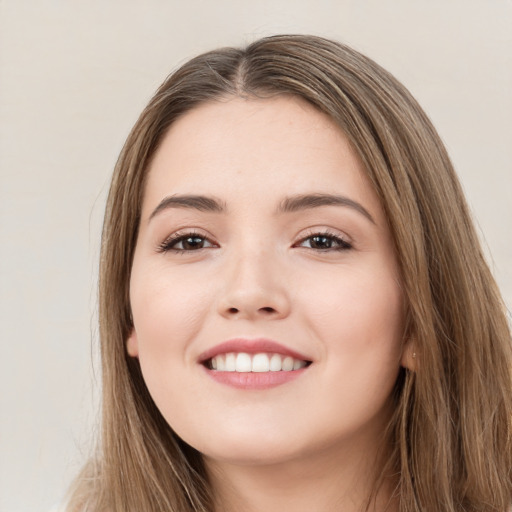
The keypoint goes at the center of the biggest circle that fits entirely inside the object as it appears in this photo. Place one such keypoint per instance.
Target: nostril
(265, 311)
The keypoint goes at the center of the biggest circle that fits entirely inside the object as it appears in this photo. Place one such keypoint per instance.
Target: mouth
(262, 362)
(253, 363)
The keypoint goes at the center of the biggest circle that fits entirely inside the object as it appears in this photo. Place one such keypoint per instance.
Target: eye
(324, 242)
(185, 242)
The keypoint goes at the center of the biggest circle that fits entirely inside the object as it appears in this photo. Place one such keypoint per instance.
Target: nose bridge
(253, 284)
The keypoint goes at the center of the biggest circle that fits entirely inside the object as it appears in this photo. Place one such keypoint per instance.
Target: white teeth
(287, 364)
(220, 363)
(258, 363)
(243, 363)
(275, 363)
(297, 364)
(230, 363)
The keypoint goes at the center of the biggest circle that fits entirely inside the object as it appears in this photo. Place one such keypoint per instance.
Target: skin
(309, 444)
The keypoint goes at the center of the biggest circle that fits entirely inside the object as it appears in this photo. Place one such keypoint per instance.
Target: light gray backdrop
(73, 78)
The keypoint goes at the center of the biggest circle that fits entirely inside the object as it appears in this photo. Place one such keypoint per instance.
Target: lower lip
(254, 380)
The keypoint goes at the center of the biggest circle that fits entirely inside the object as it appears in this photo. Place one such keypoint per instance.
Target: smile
(258, 363)
(253, 364)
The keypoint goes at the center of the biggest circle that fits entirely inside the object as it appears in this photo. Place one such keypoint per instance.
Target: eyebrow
(193, 202)
(307, 201)
(288, 205)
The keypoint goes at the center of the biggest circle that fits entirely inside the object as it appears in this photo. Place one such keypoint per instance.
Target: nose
(254, 287)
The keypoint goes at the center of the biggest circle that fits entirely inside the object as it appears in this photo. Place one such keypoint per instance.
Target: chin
(246, 449)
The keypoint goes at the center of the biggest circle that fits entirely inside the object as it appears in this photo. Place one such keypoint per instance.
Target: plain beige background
(73, 78)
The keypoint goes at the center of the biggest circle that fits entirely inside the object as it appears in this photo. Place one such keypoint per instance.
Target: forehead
(241, 149)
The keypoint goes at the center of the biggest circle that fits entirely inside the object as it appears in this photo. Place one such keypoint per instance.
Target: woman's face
(264, 290)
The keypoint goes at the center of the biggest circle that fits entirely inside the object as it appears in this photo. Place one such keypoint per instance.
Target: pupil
(322, 242)
(193, 242)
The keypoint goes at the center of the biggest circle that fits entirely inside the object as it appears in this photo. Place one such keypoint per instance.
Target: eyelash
(169, 244)
(342, 244)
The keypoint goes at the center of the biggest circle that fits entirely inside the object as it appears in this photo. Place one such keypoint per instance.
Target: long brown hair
(451, 431)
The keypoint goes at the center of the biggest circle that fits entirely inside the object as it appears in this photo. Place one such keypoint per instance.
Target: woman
(294, 306)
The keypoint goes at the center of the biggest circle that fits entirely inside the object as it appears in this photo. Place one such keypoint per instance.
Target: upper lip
(251, 346)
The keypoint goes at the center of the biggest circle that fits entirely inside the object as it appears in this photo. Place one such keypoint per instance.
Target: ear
(132, 344)
(409, 357)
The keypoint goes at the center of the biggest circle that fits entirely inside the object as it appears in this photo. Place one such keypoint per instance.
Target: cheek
(359, 318)
(168, 309)
(360, 326)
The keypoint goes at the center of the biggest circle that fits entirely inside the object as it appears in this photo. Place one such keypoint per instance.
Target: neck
(331, 481)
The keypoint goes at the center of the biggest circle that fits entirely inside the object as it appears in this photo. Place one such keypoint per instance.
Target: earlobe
(409, 358)
(132, 344)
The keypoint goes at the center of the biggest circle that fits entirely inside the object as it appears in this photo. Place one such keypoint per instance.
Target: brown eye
(325, 242)
(190, 243)
(185, 243)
